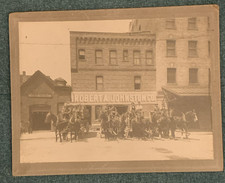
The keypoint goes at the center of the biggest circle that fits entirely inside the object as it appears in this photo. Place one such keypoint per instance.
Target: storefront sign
(113, 97)
(40, 95)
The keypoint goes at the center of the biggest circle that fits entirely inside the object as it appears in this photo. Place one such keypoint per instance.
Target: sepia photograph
(121, 88)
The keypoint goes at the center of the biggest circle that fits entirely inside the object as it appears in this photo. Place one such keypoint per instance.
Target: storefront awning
(184, 91)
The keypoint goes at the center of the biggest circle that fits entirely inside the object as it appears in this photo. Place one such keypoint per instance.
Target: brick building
(113, 68)
(39, 95)
(183, 56)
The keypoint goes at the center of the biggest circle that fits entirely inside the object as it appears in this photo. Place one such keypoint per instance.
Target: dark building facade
(39, 95)
(113, 68)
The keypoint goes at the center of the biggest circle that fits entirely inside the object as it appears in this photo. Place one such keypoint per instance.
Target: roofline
(141, 34)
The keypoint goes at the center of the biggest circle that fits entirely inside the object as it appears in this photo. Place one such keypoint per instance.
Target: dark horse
(182, 120)
(60, 125)
(74, 127)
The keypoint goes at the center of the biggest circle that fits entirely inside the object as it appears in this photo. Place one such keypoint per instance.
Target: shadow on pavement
(174, 157)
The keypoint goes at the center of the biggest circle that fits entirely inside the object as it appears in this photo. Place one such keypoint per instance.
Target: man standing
(172, 123)
(86, 118)
(30, 126)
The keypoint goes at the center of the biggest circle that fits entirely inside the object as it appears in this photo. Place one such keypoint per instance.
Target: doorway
(38, 121)
(38, 115)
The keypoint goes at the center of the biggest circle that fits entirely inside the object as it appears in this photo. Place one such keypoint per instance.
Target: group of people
(161, 122)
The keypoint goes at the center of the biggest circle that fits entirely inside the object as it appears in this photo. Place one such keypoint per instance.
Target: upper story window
(192, 23)
(137, 57)
(139, 28)
(208, 23)
(192, 49)
(170, 24)
(149, 57)
(171, 48)
(137, 82)
(171, 75)
(193, 75)
(99, 82)
(125, 55)
(81, 54)
(112, 57)
(209, 48)
(98, 57)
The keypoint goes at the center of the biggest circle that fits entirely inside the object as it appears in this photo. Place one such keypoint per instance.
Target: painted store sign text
(113, 97)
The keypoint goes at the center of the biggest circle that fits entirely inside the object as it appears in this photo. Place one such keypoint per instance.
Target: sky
(44, 46)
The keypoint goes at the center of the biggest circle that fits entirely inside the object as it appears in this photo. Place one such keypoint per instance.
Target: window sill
(167, 28)
(172, 84)
(194, 84)
(173, 56)
(194, 29)
(193, 56)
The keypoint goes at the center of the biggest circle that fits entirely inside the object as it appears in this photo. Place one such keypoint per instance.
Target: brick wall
(113, 80)
(118, 77)
(181, 34)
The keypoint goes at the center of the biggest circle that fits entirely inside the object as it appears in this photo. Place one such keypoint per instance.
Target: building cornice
(122, 41)
(113, 69)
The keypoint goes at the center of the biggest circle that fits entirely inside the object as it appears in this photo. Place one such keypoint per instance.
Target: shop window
(99, 82)
(112, 57)
(81, 54)
(149, 57)
(192, 49)
(192, 23)
(171, 75)
(193, 75)
(98, 57)
(171, 48)
(137, 58)
(137, 82)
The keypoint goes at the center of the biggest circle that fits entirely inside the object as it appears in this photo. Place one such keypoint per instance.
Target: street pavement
(40, 146)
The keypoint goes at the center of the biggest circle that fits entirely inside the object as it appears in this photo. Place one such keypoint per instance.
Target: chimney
(24, 73)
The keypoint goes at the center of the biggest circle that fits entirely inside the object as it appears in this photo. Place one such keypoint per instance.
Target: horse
(140, 127)
(74, 127)
(155, 125)
(104, 123)
(126, 118)
(113, 125)
(163, 126)
(182, 120)
(122, 126)
(59, 125)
